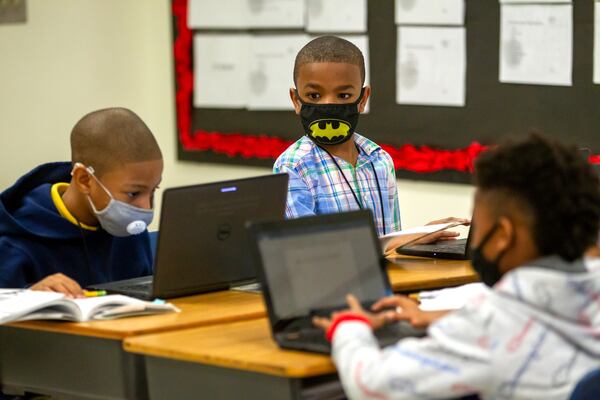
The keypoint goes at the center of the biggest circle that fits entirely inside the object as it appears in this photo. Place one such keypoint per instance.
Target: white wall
(74, 56)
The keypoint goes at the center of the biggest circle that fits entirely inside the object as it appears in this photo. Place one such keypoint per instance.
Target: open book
(396, 240)
(22, 305)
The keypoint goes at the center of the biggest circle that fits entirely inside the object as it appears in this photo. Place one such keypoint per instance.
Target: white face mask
(118, 218)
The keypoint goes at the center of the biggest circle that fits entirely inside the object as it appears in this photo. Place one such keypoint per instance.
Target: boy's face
(131, 183)
(329, 83)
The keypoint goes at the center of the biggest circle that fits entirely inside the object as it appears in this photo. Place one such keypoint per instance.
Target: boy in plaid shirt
(332, 168)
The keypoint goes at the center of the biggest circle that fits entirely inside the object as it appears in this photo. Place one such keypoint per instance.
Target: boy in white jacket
(536, 332)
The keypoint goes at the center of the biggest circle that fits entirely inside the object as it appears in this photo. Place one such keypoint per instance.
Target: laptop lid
(203, 243)
(311, 263)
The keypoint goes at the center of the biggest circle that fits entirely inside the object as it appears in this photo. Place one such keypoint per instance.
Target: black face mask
(330, 123)
(489, 271)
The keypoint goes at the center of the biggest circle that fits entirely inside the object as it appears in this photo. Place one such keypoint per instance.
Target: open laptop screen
(313, 267)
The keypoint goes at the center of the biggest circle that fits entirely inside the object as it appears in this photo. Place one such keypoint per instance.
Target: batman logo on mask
(330, 124)
(329, 131)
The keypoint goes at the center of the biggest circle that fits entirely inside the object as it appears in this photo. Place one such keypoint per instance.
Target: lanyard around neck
(352, 189)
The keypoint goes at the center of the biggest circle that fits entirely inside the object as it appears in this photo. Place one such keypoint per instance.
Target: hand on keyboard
(355, 308)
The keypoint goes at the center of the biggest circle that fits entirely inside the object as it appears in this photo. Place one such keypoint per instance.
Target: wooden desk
(241, 360)
(417, 273)
(86, 360)
(231, 361)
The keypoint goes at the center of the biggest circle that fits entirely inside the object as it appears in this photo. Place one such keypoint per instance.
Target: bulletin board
(426, 142)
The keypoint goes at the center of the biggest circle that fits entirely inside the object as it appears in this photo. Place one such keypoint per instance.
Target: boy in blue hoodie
(67, 225)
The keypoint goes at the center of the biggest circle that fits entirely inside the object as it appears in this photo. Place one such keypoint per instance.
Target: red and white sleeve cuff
(344, 318)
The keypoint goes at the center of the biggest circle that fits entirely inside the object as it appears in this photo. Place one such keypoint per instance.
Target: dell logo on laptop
(223, 232)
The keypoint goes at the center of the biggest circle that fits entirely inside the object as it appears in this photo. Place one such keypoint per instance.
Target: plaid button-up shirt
(316, 186)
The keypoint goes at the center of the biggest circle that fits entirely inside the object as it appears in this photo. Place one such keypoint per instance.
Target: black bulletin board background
(492, 110)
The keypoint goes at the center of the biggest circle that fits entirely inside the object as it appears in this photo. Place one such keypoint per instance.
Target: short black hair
(330, 49)
(107, 138)
(555, 183)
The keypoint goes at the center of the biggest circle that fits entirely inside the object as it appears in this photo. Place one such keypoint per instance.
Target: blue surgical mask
(119, 218)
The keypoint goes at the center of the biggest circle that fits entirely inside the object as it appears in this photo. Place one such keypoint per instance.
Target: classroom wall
(74, 56)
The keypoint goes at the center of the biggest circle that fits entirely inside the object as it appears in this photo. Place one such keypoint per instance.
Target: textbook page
(23, 305)
(536, 44)
(118, 306)
(431, 65)
(430, 12)
(15, 303)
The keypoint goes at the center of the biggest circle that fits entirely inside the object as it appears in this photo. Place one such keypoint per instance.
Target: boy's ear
(295, 100)
(81, 180)
(505, 235)
(365, 98)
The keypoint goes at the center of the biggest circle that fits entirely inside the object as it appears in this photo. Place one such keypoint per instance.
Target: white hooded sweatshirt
(534, 336)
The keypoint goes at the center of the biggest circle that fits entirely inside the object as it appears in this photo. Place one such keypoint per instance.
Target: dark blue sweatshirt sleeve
(14, 264)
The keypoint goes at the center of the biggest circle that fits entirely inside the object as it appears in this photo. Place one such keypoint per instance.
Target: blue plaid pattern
(316, 186)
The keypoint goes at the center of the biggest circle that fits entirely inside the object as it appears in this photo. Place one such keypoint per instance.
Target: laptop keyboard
(313, 339)
(138, 287)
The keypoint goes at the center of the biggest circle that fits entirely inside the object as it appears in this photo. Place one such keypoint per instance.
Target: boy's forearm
(404, 370)
(354, 351)
(429, 317)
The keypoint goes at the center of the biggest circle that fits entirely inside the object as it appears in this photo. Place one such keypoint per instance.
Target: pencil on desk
(94, 293)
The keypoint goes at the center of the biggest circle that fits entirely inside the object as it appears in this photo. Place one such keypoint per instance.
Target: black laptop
(308, 265)
(447, 249)
(202, 242)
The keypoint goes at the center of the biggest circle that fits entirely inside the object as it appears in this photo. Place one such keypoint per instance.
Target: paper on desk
(536, 44)
(270, 63)
(430, 12)
(336, 16)
(431, 66)
(236, 14)
(392, 241)
(451, 298)
(220, 70)
(597, 44)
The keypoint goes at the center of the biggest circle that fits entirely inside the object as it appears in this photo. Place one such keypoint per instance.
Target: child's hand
(376, 320)
(443, 235)
(407, 309)
(59, 283)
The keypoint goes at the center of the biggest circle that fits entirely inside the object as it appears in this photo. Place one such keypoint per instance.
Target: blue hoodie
(36, 241)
